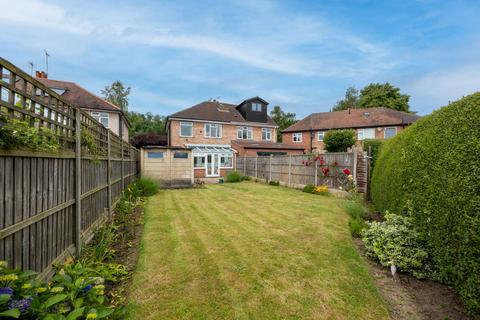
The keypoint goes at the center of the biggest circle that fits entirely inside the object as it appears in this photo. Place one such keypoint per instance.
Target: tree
(146, 123)
(339, 140)
(282, 119)
(350, 100)
(383, 95)
(117, 94)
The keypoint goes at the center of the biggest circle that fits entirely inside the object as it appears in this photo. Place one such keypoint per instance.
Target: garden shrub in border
(233, 176)
(339, 140)
(433, 168)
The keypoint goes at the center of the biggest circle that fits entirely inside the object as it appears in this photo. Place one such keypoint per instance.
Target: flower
(321, 189)
(350, 177)
(3, 264)
(26, 286)
(22, 305)
(92, 315)
(325, 171)
(56, 289)
(346, 171)
(97, 280)
(340, 188)
(8, 277)
(87, 288)
(61, 272)
(41, 289)
(6, 290)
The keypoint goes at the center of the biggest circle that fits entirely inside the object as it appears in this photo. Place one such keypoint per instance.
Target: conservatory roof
(210, 149)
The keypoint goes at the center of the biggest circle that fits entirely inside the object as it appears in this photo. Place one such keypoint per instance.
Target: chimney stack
(41, 75)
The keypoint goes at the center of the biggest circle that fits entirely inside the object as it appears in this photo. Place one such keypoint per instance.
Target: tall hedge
(339, 140)
(433, 168)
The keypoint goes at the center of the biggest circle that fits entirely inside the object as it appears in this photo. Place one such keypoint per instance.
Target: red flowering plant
(325, 171)
(346, 171)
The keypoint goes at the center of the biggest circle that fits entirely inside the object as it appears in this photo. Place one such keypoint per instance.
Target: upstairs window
(256, 106)
(297, 137)
(320, 135)
(213, 130)
(244, 133)
(101, 117)
(390, 132)
(366, 133)
(266, 134)
(186, 129)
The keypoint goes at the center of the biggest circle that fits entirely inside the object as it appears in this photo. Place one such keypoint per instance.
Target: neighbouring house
(368, 123)
(108, 114)
(218, 131)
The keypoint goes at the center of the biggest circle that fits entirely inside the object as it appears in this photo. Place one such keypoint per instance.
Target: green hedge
(433, 169)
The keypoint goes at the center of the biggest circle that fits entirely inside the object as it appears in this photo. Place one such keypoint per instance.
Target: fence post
(122, 171)
(109, 174)
(78, 183)
(289, 169)
(244, 166)
(316, 173)
(256, 166)
(355, 164)
(270, 173)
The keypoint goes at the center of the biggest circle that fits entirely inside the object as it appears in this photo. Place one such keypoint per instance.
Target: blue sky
(301, 55)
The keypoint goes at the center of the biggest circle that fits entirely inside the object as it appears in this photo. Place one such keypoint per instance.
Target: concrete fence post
(316, 173)
(244, 166)
(355, 164)
(78, 183)
(289, 169)
(256, 167)
(270, 171)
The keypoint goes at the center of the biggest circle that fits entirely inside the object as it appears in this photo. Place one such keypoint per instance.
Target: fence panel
(38, 197)
(299, 170)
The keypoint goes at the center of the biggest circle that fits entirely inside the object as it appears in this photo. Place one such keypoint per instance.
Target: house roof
(78, 95)
(353, 118)
(266, 145)
(214, 111)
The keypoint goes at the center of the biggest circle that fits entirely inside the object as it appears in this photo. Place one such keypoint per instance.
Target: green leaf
(75, 314)
(103, 313)
(12, 313)
(4, 298)
(54, 300)
(78, 303)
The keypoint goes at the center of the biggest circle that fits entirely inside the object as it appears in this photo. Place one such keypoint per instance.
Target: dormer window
(256, 106)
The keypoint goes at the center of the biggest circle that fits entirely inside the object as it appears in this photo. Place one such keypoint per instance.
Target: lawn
(250, 251)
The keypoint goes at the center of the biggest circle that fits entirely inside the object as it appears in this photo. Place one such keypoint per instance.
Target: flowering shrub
(325, 171)
(395, 241)
(347, 171)
(322, 189)
(71, 294)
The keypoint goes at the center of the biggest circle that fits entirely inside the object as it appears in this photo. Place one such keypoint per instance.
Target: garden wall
(51, 202)
(300, 170)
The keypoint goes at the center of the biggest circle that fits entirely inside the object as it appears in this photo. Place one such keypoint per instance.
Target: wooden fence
(50, 203)
(300, 170)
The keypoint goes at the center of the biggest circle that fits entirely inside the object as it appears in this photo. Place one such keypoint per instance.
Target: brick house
(212, 128)
(103, 111)
(368, 123)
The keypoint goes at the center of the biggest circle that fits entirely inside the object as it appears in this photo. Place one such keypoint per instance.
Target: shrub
(234, 176)
(356, 211)
(246, 178)
(274, 183)
(149, 139)
(374, 145)
(433, 167)
(146, 187)
(308, 188)
(18, 134)
(395, 241)
(339, 140)
(322, 189)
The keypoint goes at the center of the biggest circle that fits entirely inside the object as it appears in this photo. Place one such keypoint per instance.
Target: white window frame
(186, 123)
(204, 161)
(101, 115)
(297, 137)
(361, 133)
(385, 132)
(267, 134)
(256, 106)
(226, 156)
(208, 132)
(240, 131)
(322, 134)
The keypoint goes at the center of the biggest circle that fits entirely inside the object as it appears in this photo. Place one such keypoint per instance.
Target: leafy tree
(383, 95)
(282, 119)
(146, 123)
(117, 94)
(339, 140)
(350, 100)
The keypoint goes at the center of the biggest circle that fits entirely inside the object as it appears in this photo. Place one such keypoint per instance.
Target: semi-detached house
(216, 132)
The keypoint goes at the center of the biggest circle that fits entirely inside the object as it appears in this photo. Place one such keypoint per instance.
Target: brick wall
(229, 133)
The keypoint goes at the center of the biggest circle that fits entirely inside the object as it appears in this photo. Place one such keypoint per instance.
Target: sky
(301, 55)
